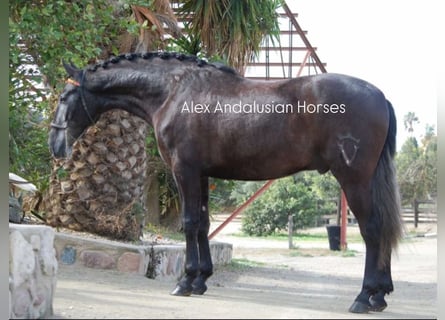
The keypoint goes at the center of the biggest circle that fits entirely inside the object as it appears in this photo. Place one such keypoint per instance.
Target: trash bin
(334, 237)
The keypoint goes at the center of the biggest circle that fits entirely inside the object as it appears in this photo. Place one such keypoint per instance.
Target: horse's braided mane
(166, 55)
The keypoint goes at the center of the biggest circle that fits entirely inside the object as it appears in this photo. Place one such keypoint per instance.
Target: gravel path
(311, 282)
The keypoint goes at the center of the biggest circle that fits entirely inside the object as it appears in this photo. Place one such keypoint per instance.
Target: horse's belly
(249, 175)
(262, 169)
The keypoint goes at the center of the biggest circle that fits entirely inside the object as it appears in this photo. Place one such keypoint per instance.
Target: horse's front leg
(205, 258)
(190, 192)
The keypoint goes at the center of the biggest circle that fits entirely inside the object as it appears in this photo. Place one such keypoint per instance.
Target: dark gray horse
(211, 122)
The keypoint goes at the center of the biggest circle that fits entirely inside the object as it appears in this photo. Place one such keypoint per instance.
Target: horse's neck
(136, 91)
(143, 88)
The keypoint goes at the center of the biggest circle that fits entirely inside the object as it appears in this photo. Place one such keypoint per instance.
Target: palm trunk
(103, 188)
(100, 189)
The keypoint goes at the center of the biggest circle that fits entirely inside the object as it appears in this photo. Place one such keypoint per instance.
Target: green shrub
(293, 196)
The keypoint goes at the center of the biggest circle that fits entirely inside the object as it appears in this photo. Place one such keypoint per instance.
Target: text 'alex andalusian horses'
(211, 122)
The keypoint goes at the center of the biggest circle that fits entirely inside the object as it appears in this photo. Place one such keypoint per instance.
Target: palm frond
(232, 29)
(159, 19)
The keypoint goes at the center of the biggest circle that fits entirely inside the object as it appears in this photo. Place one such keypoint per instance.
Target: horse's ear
(72, 70)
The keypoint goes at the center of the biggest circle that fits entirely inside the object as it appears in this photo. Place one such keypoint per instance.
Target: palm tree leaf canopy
(231, 29)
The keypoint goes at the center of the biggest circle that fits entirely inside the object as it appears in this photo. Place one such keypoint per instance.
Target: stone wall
(155, 261)
(35, 252)
(32, 271)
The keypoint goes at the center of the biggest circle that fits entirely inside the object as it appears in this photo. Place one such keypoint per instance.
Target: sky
(388, 43)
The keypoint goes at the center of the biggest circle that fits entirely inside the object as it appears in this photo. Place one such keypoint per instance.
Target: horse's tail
(386, 219)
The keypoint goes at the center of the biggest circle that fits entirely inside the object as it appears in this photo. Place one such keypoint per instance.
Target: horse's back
(252, 144)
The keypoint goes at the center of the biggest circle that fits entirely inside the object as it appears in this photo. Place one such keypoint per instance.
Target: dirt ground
(268, 281)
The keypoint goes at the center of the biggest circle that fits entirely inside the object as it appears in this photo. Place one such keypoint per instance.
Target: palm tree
(231, 29)
(102, 188)
(409, 120)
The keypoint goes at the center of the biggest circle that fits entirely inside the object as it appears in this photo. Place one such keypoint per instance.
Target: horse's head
(73, 115)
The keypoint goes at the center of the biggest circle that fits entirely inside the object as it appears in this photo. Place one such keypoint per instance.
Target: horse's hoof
(360, 307)
(199, 289)
(181, 291)
(377, 304)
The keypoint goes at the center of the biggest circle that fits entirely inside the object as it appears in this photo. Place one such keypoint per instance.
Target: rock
(22, 261)
(35, 242)
(22, 302)
(129, 262)
(97, 259)
(68, 255)
(15, 210)
(32, 272)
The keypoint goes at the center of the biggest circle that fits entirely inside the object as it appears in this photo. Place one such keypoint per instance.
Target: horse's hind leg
(189, 186)
(376, 284)
(205, 258)
(377, 280)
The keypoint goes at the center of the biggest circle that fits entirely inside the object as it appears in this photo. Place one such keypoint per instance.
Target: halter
(82, 98)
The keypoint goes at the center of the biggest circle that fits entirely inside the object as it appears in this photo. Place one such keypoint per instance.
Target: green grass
(309, 237)
(279, 236)
(348, 253)
(243, 264)
(165, 232)
(320, 252)
(284, 236)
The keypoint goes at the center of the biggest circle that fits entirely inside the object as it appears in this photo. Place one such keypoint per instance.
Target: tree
(162, 196)
(417, 167)
(232, 30)
(43, 35)
(297, 196)
(429, 143)
(409, 120)
(81, 196)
